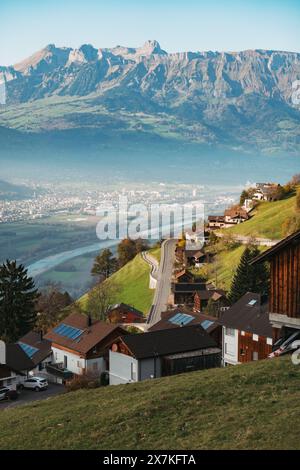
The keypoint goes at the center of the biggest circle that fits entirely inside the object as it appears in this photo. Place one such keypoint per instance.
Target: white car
(35, 383)
(3, 392)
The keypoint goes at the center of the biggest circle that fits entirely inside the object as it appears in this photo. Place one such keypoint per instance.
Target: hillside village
(193, 323)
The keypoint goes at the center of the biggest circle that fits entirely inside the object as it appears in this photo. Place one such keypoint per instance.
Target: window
(95, 366)
(65, 362)
(229, 349)
(255, 337)
(242, 352)
(229, 331)
(78, 364)
(255, 356)
(242, 333)
(269, 341)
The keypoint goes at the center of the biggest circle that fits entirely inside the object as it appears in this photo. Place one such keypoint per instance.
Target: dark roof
(291, 239)
(189, 286)
(43, 346)
(197, 319)
(251, 318)
(171, 341)
(216, 218)
(207, 294)
(17, 359)
(125, 308)
(91, 335)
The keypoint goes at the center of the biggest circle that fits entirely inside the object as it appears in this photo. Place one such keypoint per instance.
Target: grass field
(267, 220)
(221, 271)
(133, 285)
(251, 406)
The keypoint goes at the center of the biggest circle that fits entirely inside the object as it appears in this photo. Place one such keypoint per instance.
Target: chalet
(182, 316)
(202, 297)
(216, 222)
(265, 191)
(195, 257)
(183, 292)
(80, 345)
(123, 313)
(284, 296)
(14, 365)
(247, 331)
(235, 215)
(183, 276)
(38, 349)
(160, 353)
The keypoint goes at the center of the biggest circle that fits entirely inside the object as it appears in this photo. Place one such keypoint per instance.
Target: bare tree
(100, 298)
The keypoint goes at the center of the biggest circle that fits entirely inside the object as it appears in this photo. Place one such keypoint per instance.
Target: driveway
(28, 396)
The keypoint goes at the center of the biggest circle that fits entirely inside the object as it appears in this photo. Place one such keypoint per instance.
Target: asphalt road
(28, 396)
(164, 275)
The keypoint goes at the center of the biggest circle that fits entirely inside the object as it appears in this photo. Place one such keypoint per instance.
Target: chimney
(89, 320)
(2, 352)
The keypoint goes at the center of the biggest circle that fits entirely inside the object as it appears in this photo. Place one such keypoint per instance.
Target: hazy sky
(29, 25)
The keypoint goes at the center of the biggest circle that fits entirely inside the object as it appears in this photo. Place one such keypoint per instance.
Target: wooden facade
(285, 281)
(249, 350)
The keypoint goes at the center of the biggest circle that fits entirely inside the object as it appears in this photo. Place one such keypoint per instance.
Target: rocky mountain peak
(150, 47)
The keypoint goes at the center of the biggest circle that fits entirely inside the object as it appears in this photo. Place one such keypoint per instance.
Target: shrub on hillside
(87, 380)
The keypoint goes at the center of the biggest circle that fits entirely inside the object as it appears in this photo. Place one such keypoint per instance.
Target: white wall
(75, 363)
(122, 368)
(230, 347)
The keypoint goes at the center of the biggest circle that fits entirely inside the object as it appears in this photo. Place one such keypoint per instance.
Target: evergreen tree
(17, 301)
(104, 264)
(249, 278)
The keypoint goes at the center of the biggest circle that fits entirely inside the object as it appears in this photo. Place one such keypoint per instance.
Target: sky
(178, 25)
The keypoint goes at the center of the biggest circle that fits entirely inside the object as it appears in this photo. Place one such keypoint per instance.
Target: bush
(87, 380)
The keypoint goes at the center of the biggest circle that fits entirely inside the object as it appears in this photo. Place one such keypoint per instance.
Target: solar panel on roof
(68, 331)
(252, 302)
(206, 324)
(29, 350)
(181, 319)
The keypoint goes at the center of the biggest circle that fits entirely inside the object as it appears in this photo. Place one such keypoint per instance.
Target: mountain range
(233, 100)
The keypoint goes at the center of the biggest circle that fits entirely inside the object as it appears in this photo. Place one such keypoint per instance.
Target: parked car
(35, 383)
(4, 393)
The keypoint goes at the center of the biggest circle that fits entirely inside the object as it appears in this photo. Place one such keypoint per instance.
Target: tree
(126, 251)
(249, 278)
(18, 297)
(49, 306)
(298, 200)
(105, 264)
(100, 298)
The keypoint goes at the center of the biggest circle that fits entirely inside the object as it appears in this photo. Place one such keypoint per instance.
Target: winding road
(163, 287)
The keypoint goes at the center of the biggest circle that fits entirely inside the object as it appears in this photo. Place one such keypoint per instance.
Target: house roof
(236, 212)
(88, 336)
(126, 308)
(167, 320)
(266, 255)
(216, 218)
(207, 294)
(189, 287)
(168, 341)
(182, 273)
(248, 314)
(17, 359)
(42, 345)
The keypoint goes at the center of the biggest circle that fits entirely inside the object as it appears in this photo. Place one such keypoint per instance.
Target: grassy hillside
(221, 271)
(252, 406)
(267, 220)
(133, 285)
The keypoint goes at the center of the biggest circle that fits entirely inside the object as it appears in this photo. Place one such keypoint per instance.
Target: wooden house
(247, 331)
(123, 313)
(284, 296)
